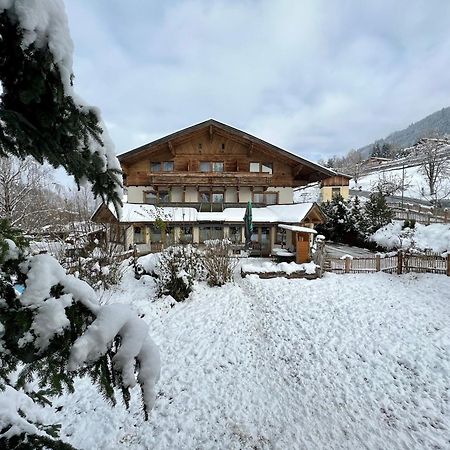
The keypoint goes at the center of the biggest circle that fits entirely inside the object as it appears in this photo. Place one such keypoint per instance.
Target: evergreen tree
(337, 225)
(56, 329)
(378, 212)
(39, 118)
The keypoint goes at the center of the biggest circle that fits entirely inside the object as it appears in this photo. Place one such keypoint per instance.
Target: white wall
(285, 194)
(136, 193)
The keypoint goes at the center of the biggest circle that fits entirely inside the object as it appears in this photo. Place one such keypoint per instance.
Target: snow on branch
(45, 24)
(136, 353)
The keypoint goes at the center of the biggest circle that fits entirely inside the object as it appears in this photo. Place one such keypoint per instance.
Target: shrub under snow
(435, 237)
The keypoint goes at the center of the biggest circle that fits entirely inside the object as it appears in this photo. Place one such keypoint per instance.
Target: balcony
(208, 206)
(199, 179)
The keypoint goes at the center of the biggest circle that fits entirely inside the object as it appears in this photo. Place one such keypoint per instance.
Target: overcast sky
(314, 77)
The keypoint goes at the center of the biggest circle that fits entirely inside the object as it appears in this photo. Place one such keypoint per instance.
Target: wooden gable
(212, 141)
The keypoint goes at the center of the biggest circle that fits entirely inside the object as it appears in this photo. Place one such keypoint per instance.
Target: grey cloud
(316, 77)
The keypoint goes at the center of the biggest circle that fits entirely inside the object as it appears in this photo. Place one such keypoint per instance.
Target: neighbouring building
(334, 186)
(194, 185)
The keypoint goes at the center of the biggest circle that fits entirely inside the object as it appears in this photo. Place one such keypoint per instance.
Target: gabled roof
(228, 129)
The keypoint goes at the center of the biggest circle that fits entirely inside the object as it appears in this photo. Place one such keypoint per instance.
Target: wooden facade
(231, 154)
(212, 168)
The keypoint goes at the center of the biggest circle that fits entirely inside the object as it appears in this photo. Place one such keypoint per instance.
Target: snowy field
(343, 362)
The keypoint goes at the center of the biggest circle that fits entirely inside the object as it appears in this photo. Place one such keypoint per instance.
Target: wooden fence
(399, 262)
(419, 213)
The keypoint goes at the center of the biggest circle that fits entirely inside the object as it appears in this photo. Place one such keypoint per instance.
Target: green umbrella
(248, 225)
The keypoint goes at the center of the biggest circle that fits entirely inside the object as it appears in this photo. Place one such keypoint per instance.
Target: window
(156, 197)
(139, 237)
(267, 198)
(155, 167)
(208, 232)
(335, 192)
(165, 166)
(265, 167)
(258, 198)
(168, 166)
(280, 237)
(223, 146)
(151, 197)
(155, 234)
(164, 196)
(211, 166)
(186, 234)
(271, 198)
(205, 197)
(217, 197)
(235, 234)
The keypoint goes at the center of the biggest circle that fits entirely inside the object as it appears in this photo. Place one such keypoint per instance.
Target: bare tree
(352, 164)
(389, 184)
(435, 167)
(25, 194)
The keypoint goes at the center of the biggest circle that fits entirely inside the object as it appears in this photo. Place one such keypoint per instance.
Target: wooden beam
(297, 169)
(171, 148)
(250, 149)
(211, 135)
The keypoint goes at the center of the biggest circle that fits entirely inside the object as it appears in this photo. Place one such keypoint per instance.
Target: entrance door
(302, 247)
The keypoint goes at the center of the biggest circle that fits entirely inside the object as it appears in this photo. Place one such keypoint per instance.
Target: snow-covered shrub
(179, 266)
(434, 237)
(218, 262)
(147, 265)
(101, 267)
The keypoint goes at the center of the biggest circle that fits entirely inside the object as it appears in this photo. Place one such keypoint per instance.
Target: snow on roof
(297, 228)
(292, 213)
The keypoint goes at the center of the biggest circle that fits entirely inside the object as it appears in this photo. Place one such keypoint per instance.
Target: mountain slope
(437, 123)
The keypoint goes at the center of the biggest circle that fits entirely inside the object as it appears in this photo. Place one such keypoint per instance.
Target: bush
(179, 266)
(101, 267)
(219, 265)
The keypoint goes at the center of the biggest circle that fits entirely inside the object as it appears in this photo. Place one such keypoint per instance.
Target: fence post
(348, 264)
(399, 262)
(377, 263)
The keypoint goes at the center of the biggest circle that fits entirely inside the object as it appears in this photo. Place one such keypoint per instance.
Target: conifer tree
(56, 329)
(38, 117)
(378, 212)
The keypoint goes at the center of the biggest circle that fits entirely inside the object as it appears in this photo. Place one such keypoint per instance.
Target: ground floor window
(186, 236)
(139, 235)
(280, 237)
(155, 234)
(208, 232)
(235, 234)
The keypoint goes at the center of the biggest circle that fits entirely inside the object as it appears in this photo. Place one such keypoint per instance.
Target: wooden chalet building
(197, 182)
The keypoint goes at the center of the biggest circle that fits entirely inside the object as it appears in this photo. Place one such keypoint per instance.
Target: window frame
(261, 164)
(211, 166)
(162, 167)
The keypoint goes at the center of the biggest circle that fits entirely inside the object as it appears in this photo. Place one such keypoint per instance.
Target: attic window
(155, 167)
(223, 146)
(165, 166)
(265, 167)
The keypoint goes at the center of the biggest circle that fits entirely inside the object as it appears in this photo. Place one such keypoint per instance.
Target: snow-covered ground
(414, 181)
(347, 361)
